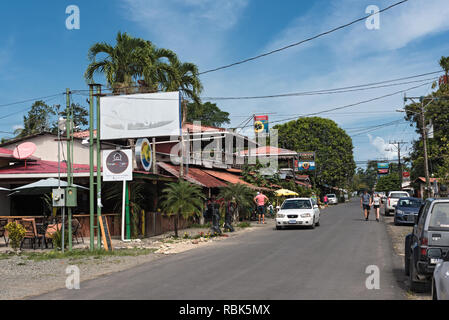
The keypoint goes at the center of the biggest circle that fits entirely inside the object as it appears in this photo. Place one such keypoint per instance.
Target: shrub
(56, 238)
(16, 234)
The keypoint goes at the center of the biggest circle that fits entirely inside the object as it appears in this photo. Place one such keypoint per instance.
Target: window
(331, 196)
(410, 203)
(440, 216)
(398, 195)
(296, 204)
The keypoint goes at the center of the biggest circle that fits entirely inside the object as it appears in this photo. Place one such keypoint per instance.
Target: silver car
(440, 281)
(332, 198)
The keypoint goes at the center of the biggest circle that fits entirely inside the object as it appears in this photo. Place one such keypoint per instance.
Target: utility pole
(91, 165)
(98, 168)
(397, 145)
(69, 131)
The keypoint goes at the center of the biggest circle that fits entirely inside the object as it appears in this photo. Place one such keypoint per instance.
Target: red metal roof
(84, 134)
(42, 166)
(432, 180)
(189, 127)
(195, 175)
(232, 178)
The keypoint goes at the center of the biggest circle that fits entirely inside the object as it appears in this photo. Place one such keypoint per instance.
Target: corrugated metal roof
(195, 175)
(42, 166)
(232, 178)
(267, 151)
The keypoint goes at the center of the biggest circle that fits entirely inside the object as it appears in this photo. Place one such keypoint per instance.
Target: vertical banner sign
(261, 124)
(306, 161)
(117, 165)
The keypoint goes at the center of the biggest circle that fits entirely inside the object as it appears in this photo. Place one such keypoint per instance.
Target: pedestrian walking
(376, 205)
(325, 200)
(260, 202)
(365, 203)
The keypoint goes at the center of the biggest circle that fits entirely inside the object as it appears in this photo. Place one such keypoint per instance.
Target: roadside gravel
(23, 277)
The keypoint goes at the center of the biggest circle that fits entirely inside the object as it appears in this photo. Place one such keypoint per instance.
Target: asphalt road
(326, 263)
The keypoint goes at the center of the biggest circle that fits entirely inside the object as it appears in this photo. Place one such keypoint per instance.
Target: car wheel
(415, 286)
(313, 224)
(318, 223)
(407, 263)
(434, 291)
(396, 223)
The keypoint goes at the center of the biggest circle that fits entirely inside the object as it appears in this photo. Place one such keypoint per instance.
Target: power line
(320, 92)
(302, 41)
(348, 105)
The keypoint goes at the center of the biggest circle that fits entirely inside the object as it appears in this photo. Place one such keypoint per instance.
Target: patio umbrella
(285, 192)
(41, 187)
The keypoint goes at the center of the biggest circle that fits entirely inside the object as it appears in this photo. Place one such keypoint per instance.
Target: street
(326, 263)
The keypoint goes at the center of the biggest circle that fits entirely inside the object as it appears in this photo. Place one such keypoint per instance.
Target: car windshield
(440, 216)
(331, 195)
(410, 203)
(296, 204)
(398, 195)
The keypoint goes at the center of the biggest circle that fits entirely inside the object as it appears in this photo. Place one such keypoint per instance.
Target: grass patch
(244, 225)
(79, 254)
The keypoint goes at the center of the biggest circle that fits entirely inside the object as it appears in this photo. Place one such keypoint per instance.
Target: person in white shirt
(376, 205)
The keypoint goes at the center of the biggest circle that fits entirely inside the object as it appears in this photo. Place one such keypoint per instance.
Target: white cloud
(384, 149)
(195, 29)
(17, 126)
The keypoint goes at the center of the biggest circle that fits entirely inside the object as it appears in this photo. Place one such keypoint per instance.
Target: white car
(298, 212)
(392, 200)
(440, 280)
(332, 198)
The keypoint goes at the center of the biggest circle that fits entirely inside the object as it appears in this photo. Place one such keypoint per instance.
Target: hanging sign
(144, 157)
(261, 124)
(117, 165)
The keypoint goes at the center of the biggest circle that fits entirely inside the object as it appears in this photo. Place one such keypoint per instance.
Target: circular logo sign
(117, 162)
(306, 165)
(258, 126)
(143, 154)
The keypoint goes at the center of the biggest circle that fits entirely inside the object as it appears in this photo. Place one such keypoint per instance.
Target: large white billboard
(140, 115)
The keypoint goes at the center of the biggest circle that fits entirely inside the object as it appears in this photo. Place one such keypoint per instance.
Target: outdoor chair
(3, 223)
(76, 230)
(31, 232)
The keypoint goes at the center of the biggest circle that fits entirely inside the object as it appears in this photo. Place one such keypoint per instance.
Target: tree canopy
(334, 149)
(208, 113)
(388, 183)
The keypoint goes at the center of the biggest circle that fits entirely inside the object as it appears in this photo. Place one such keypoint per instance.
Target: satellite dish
(24, 150)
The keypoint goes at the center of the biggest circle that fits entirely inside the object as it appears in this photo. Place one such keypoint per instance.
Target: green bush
(16, 233)
(56, 238)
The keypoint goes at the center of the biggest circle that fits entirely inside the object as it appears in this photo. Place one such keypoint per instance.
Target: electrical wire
(302, 41)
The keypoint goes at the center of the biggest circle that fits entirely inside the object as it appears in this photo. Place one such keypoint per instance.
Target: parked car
(298, 212)
(406, 210)
(392, 200)
(332, 198)
(430, 231)
(440, 281)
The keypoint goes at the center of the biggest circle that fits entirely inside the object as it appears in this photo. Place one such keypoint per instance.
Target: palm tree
(130, 60)
(182, 198)
(444, 63)
(241, 195)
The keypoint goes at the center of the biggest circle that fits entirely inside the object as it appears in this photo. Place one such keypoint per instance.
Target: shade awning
(285, 192)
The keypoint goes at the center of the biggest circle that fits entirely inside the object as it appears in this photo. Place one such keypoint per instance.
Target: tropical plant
(56, 239)
(182, 199)
(241, 195)
(134, 61)
(444, 64)
(16, 233)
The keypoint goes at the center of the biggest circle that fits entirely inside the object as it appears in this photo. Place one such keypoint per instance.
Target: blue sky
(40, 57)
